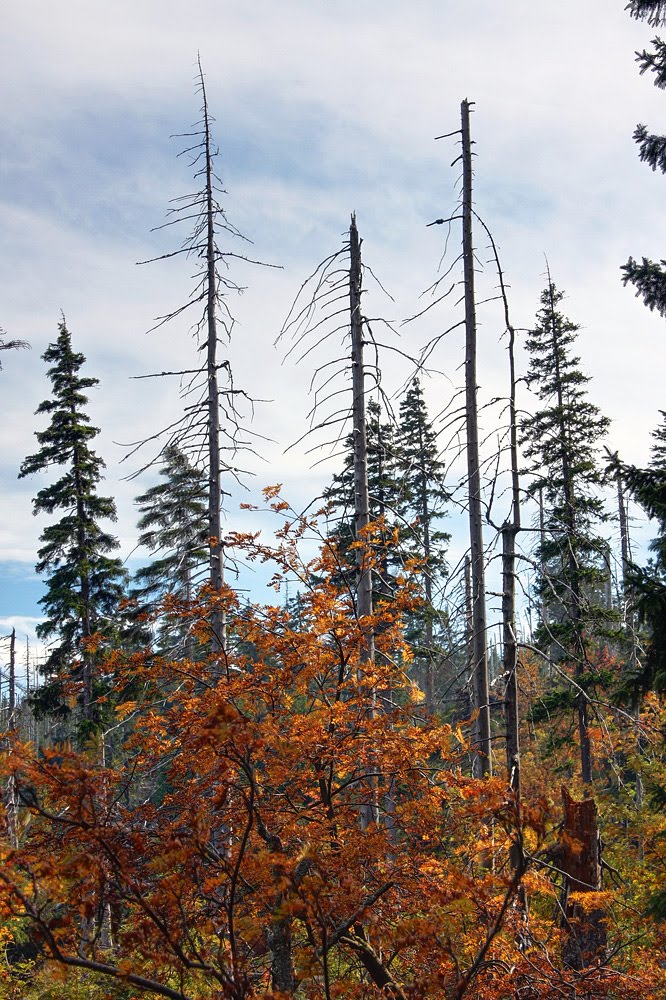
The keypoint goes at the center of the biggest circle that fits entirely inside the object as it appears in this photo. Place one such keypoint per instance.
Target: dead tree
(329, 303)
(361, 497)
(11, 345)
(200, 433)
(479, 640)
(584, 924)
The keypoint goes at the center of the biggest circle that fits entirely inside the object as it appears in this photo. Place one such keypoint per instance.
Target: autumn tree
(250, 874)
(84, 580)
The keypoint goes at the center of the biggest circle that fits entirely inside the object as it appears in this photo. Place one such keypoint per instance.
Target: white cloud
(321, 109)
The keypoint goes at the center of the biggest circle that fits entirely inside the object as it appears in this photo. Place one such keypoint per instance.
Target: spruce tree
(647, 587)
(383, 493)
(649, 277)
(174, 528)
(84, 582)
(561, 441)
(648, 584)
(421, 503)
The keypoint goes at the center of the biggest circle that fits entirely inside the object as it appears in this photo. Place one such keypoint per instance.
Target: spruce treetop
(84, 581)
(562, 438)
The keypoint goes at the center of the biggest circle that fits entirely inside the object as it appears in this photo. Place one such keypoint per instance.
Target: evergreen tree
(420, 503)
(648, 584)
(652, 11)
(562, 440)
(174, 528)
(383, 492)
(648, 277)
(84, 582)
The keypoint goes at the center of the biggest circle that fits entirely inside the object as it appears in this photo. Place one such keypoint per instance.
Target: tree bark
(370, 813)
(218, 617)
(481, 734)
(361, 496)
(584, 925)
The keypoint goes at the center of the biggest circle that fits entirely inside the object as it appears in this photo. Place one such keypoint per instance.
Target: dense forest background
(345, 677)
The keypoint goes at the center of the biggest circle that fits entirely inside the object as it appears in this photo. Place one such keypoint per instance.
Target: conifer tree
(420, 503)
(84, 581)
(173, 527)
(648, 584)
(649, 277)
(383, 490)
(561, 441)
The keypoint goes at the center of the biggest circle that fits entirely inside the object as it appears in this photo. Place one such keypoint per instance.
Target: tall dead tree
(629, 613)
(509, 531)
(200, 432)
(218, 622)
(361, 494)
(479, 641)
(328, 303)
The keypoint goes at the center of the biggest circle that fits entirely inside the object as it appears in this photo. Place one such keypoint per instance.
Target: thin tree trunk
(218, 618)
(510, 530)
(361, 496)
(469, 632)
(11, 798)
(12, 678)
(630, 619)
(481, 706)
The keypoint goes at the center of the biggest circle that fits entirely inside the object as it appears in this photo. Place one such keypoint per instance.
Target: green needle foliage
(648, 584)
(421, 504)
(383, 493)
(561, 441)
(84, 582)
(174, 528)
(647, 276)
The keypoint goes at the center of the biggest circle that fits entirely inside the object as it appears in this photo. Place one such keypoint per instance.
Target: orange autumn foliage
(221, 851)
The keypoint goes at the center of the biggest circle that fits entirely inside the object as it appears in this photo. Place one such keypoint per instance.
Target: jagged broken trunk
(583, 919)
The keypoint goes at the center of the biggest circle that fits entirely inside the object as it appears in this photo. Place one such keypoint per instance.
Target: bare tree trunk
(630, 619)
(510, 530)
(483, 765)
(469, 632)
(218, 618)
(361, 496)
(12, 678)
(11, 798)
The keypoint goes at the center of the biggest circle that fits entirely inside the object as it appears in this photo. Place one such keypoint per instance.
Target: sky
(321, 109)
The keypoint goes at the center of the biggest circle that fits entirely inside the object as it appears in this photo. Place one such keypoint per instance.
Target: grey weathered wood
(481, 734)
(361, 496)
(218, 618)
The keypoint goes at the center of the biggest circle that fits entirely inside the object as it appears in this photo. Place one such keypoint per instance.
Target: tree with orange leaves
(224, 855)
